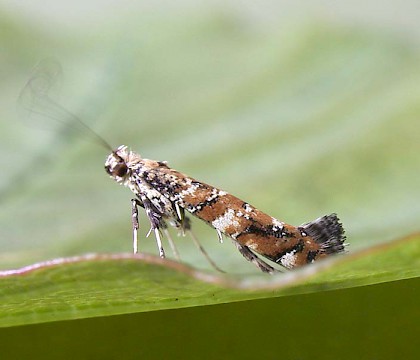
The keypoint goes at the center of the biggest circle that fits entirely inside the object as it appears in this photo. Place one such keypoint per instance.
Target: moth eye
(120, 170)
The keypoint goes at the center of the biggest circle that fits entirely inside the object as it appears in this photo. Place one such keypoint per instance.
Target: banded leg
(155, 218)
(250, 256)
(135, 222)
(180, 212)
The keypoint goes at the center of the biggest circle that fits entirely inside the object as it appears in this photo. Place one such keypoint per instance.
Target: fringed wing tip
(328, 232)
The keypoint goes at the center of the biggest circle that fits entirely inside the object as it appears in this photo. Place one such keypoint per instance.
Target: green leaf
(302, 123)
(102, 284)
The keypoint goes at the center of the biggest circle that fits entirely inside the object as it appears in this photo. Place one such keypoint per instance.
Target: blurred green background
(300, 109)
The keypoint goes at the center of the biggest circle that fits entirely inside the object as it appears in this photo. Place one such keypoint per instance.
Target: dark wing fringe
(328, 232)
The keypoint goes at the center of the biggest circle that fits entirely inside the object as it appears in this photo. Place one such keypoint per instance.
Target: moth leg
(203, 251)
(186, 225)
(250, 256)
(171, 242)
(159, 243)
(182, 223)
(155, 218)
(135, 221)
(220, 236)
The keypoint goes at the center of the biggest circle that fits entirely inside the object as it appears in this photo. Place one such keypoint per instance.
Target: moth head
(117, 164)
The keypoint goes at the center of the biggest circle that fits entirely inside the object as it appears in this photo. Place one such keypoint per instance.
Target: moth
(166, 194)
(169, 196)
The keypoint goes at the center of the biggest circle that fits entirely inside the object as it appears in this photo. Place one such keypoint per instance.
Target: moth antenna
(35, 99)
